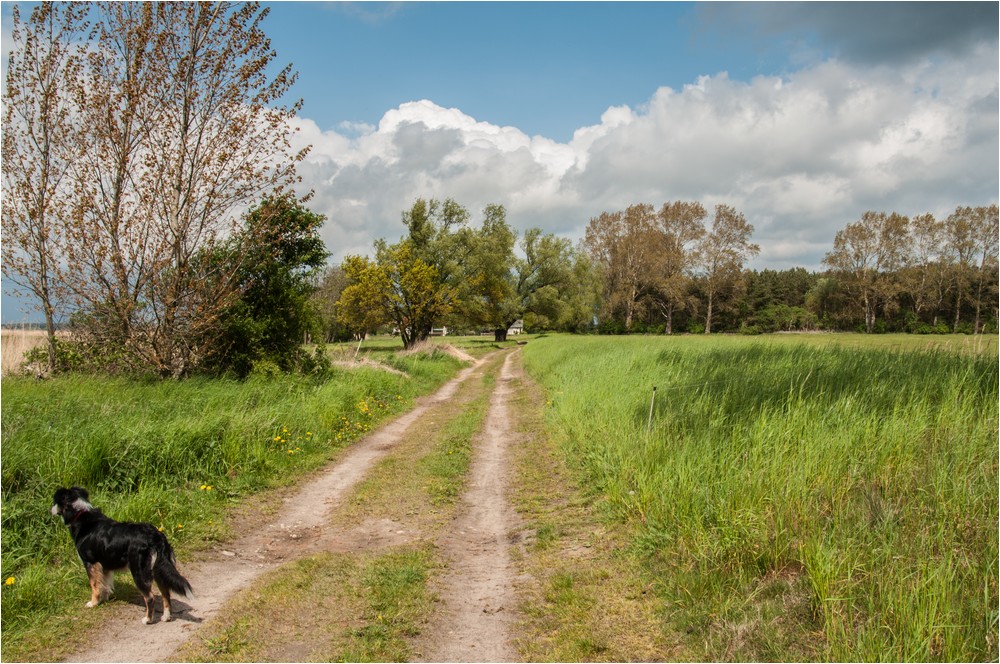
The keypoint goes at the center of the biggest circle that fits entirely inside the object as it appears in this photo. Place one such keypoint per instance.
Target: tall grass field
(795, 498)
(14, 343)
(178, 454)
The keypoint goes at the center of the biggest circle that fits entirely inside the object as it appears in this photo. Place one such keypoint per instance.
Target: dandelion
(206, 487)
(180, 526)
(10, 581)
(160, 528)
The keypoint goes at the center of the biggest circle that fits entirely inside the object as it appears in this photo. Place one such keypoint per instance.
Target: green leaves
(399, 288)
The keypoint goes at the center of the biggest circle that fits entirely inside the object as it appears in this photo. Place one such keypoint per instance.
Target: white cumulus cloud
(800, 155)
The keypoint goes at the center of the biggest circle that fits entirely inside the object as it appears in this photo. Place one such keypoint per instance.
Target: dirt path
(473, 623)
(296, 531)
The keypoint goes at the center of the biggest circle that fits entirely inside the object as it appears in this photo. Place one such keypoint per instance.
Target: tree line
(671, 269)
(664, 270)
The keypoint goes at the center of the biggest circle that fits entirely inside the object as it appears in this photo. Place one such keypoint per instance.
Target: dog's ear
(82, 493)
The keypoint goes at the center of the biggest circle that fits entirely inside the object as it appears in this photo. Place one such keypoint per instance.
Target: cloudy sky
(801, 115)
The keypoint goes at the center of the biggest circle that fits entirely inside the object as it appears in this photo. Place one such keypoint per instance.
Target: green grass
(325, 608)
(179, 454)
(796, 497)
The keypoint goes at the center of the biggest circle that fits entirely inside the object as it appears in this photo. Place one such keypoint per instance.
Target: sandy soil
(476, 594)
(296, 531)
(473, 622)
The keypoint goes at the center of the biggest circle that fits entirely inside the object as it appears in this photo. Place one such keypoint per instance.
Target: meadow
(180, 454)
(795, 497)
(14, 343)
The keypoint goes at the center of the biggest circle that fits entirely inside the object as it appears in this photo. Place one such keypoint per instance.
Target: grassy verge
(365, 605)
(794, 497)
(179, 454)
(588, 599)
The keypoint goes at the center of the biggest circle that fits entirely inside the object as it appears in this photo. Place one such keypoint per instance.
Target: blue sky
(551, 67)
(801, 115)
(546, 68)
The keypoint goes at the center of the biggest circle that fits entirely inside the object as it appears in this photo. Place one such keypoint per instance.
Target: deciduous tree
(279, 252)
(487, 289)
(972, 250)
(112, 252)
(722, 254)
(925, 279)
(187, 128)
(679, 226)
(397, 287)
(330, 283)
(867, 253)
(39, 147)
(622, 244)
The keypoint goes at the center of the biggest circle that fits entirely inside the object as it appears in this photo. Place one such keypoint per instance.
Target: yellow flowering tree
(396, 288)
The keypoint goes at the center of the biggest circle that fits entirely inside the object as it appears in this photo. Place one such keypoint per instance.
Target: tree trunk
(50, 327)
(869, 314)
(958, 310)
(407, 337)
(708, 315)
(670, 319)
(977, 326)
(50, 330)
(500, 334)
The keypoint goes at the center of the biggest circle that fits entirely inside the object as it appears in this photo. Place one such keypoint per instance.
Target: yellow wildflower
(10, 581)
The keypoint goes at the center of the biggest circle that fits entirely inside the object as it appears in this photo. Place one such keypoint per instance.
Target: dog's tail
(165, 572)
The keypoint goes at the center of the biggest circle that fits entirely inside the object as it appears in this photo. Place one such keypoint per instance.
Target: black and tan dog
(106, 546)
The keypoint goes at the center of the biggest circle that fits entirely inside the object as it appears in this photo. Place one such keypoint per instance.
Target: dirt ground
(476, 606)
(477, 594)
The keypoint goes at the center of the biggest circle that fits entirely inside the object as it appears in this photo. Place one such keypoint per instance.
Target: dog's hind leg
(142, 572)
(165, 595)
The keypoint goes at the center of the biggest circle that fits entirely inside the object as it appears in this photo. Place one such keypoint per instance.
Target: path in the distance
(296, 531)
(473, 622)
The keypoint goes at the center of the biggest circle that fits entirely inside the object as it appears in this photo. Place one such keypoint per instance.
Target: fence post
(649, 422)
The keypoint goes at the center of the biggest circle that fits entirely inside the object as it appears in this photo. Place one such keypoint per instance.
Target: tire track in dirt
(295, 532)
(476, 614)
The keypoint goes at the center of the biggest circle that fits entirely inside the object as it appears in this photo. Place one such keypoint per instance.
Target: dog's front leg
(95, 573)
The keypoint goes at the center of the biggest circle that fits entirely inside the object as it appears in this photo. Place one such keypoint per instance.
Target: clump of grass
(179, 454)
(864, 479)
(325, 608)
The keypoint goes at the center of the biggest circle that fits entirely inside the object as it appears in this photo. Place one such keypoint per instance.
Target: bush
(69, 356)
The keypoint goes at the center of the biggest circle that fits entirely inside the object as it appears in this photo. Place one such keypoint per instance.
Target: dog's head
(70, 503)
